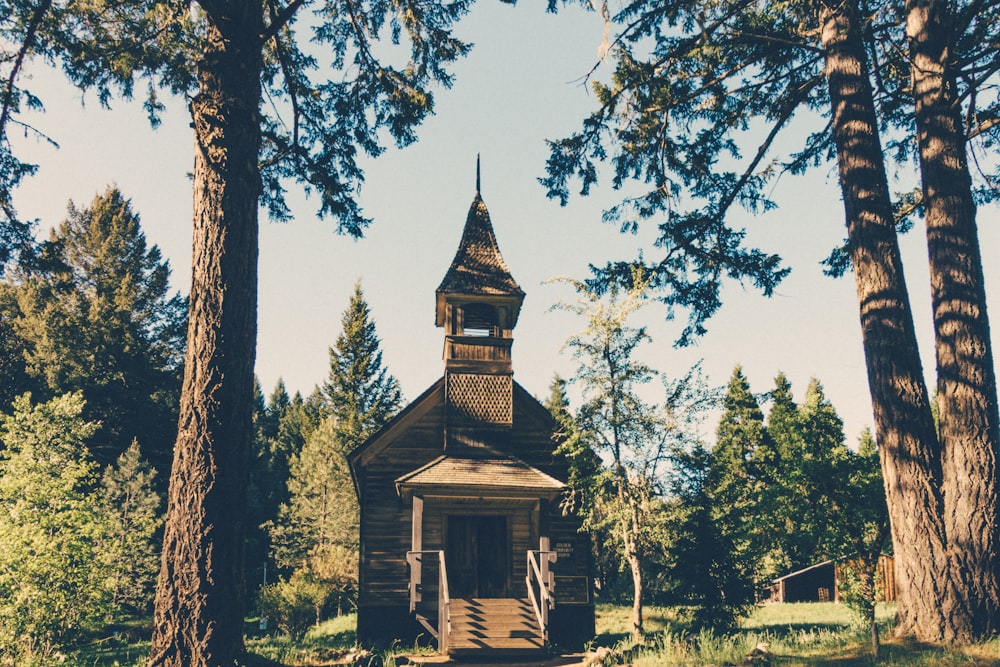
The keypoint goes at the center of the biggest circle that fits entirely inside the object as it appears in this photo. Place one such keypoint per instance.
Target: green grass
(797, 635)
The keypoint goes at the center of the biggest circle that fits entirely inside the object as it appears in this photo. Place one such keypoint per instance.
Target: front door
(477, 556)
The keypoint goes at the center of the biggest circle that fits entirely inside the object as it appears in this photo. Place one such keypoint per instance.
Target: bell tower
(478, 303)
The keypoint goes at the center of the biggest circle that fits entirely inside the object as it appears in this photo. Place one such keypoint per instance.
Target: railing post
(444, 606)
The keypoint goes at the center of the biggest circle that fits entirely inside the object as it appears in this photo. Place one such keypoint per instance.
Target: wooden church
(462, 534)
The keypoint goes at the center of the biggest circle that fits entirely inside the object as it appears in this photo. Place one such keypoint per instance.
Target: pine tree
(741, 473)
(703, 562)
(675, 115)
(134, 516)
(97, 316)
(359, 393)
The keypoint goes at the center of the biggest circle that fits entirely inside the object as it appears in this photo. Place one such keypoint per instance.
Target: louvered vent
(481, 398)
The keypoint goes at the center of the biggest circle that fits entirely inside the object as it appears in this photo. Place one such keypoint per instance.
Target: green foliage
(322, 509)
(294, 604)
(360, 392)
(94, 314)
(622, 498)
(703, 565)
(51, 529)
(708, 104)
(130, 548)
(327, 112)
(740, 475)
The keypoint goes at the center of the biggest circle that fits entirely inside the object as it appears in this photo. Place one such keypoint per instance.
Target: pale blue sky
(520, 85)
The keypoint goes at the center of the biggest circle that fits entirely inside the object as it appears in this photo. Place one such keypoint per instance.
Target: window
(479, 319)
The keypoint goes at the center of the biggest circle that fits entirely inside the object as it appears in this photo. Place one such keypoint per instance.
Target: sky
(523, 83)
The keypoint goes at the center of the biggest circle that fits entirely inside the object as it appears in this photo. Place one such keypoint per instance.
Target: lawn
(796, 635)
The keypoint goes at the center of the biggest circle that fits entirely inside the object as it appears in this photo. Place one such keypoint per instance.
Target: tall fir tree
(315, 533)
(97, 316)
(340, 96)
(741, 473)
(674, 117)
(359, 393)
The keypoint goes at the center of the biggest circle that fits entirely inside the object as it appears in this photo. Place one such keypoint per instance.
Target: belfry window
(480, 319)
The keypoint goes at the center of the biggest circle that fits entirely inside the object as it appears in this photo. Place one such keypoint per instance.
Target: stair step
(488, 626)
(495, 644)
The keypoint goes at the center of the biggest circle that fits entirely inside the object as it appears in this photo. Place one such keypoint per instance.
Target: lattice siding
(481, 398)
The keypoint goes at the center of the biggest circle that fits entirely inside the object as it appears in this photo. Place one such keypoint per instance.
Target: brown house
(462, 536)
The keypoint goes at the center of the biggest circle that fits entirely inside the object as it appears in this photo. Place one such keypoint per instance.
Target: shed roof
(498, 473)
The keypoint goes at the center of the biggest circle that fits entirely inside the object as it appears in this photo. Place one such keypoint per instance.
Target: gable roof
(478, 267)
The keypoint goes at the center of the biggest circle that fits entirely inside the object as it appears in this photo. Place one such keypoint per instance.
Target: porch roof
(485, 474)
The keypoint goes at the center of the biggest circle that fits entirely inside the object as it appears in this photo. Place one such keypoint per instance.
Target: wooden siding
(386, 519)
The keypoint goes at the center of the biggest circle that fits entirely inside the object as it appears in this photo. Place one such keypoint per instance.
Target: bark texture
(198, 618)
(908, 444)
(967, 397)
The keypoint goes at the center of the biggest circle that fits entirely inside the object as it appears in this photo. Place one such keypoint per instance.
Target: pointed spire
(477, 174)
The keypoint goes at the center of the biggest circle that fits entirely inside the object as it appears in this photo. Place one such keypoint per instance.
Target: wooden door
(478, 556)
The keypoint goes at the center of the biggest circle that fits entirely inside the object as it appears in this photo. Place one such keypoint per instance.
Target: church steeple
(478, 273)
(478, 303)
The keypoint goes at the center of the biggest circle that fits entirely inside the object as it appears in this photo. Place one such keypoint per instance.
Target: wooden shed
(462, 535)
(821, 583)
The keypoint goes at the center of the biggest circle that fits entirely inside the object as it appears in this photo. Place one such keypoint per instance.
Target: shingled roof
(478, 267)
(502, 473)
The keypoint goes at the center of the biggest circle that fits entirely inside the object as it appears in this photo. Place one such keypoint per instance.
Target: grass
(797, 635)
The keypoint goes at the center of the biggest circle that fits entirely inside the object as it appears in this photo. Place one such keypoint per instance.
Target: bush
(295, 604)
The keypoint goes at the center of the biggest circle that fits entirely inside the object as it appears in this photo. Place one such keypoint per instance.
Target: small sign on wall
(572, 590)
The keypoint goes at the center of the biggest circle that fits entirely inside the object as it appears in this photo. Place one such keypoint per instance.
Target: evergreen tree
(795, 545)
(97, 317)
(130, 550)
(859, 508)
(702, 560)
(824, 453)
(315, 532)
(741, 477)
(359, 392)
(321, 510)
(52, 580)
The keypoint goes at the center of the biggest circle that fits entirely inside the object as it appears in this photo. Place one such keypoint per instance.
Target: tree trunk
(908, 446)
(967, 396)
(198, 618)
(635, 566)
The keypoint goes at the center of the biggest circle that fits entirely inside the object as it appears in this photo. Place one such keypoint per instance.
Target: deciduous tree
(51, 527)
(633, 436)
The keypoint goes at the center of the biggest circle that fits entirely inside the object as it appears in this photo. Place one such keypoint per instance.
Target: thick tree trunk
(904, 425)
(967, 396)
(198, 618)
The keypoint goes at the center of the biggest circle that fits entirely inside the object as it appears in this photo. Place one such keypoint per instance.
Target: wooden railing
(442, 631)
(540, 576)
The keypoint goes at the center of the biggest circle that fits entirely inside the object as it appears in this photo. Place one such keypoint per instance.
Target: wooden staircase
(494, 626)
